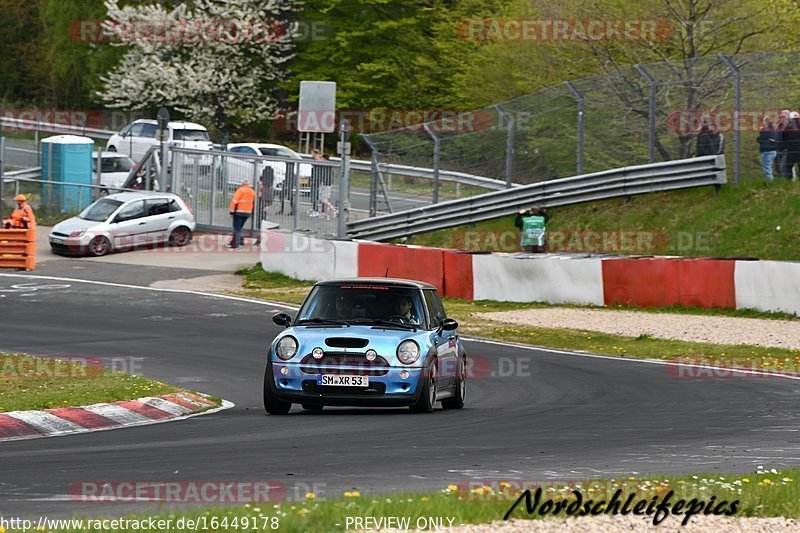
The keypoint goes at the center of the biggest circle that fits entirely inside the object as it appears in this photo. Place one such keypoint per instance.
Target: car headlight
(77, 233)
(408, 352)
(286, 348)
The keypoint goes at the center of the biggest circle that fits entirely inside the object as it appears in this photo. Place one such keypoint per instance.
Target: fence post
(344, 179)
(651, 113)
(737, 102)
(581, 108)
(509, 144)
(436, 156)
(2, 168)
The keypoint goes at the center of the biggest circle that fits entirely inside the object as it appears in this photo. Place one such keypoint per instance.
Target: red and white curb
(17, 425)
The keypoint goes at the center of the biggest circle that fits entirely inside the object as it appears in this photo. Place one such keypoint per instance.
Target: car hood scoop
(346, 342)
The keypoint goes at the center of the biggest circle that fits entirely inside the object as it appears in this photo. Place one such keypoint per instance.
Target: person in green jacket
(532, 222)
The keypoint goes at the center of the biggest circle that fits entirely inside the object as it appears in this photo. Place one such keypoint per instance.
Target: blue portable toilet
(67, 159)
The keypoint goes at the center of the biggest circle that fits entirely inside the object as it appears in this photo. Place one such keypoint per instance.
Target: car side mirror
(282, 319)
(448, 324)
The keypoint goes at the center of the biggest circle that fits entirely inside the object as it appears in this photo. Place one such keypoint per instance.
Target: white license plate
(58, 241)
(336, 380)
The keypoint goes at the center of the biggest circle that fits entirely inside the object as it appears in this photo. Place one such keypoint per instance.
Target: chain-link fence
(648, 113)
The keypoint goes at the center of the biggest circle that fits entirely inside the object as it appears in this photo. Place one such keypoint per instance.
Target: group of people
(22, 217)
(779, 145)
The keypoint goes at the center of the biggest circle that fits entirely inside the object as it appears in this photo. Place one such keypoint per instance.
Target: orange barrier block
(394, 261)
(18, 248)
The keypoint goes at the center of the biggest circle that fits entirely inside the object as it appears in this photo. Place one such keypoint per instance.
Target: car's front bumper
(68, 245)
(389, 389)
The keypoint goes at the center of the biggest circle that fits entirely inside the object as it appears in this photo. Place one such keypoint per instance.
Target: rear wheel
(456, 401)
(427, 397)
(112, 148)
(180, 236)
(272, 405)
(99, 246)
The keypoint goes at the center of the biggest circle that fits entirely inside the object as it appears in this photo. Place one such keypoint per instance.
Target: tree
(214, 61)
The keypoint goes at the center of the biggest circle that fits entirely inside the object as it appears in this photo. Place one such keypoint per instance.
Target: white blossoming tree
(216, 61)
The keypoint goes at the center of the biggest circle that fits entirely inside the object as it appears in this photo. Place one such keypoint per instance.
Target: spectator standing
(244, 200)
(532, 222)
(767, 146)
(709, 141)
(791, 143)
(781, 161)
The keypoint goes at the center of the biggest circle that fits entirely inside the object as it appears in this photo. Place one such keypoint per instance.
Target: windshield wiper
(330, 321)
(390, 323)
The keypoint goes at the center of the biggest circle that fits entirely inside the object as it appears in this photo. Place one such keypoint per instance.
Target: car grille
(332, 363)
(346, 342)
(57, 234)
(374, 389)
(64, 248)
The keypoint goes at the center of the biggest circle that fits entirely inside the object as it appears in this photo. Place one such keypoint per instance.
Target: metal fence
(639, 115)
(299, 195)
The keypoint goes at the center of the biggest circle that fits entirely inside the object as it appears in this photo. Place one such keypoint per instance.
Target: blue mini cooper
(367, 342)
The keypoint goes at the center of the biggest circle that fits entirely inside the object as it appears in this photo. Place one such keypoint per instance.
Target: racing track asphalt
(559, 416)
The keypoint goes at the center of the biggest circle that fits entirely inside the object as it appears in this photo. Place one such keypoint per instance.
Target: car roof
(174, 124)
(260, 145)
(139, 195)
(109, 155)
(393, 282)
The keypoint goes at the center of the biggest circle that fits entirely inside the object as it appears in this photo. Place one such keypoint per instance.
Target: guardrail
(50, 127)
(620, 182)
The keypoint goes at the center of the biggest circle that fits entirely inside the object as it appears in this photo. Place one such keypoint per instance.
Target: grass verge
(763, 494)
(28, 383)
(277, 287)
(751, 219)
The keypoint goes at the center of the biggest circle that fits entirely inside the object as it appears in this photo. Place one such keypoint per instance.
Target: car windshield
(190, 135)
(113, 164)
(278, 152)
(100, 210)
(362, 304)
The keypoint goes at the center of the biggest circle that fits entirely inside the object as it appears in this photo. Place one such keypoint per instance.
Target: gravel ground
(696, 328)
(614, 524)
(213, 283)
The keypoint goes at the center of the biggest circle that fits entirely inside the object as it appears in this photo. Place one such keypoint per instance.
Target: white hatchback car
(238, 167)
(114, 170)
(138, 136)
(123, 221)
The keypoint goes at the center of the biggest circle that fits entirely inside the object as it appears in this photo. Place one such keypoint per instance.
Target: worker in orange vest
(244, 200)
(22, 217)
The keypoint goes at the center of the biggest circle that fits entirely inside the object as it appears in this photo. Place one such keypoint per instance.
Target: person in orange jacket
(22, 217)
(244, 200)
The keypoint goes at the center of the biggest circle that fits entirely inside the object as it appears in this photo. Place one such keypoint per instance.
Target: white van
(138, 136)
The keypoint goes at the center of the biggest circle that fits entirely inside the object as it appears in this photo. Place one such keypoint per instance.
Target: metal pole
(509, 145)
(373, 185)
(581, 109)
(166, 177)
(295, 171)
(344, 179)
(651, 113)
(2, 169)
(737, 102)
(436, 161)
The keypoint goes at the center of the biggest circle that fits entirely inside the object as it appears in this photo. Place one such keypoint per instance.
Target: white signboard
(316, 112)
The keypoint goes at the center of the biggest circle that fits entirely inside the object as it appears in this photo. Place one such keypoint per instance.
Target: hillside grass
(736, 221)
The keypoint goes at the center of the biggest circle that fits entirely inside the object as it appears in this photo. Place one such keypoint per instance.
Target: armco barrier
(18, 248)
(553, 278)
(657, 281)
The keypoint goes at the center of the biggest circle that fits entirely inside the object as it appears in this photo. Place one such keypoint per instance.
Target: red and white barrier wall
(559, 279)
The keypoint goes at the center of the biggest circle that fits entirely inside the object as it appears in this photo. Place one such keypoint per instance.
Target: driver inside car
(402, 309)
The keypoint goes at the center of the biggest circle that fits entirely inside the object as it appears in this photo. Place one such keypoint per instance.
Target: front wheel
(112, 148)
(456, 401)
(180, 236)
(427, 397)
(272, 405)
(99, 246)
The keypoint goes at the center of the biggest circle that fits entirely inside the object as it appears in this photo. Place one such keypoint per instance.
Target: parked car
(367, 342)
(240, 167)
(114, 170)
(122, 221)
(138, 136)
